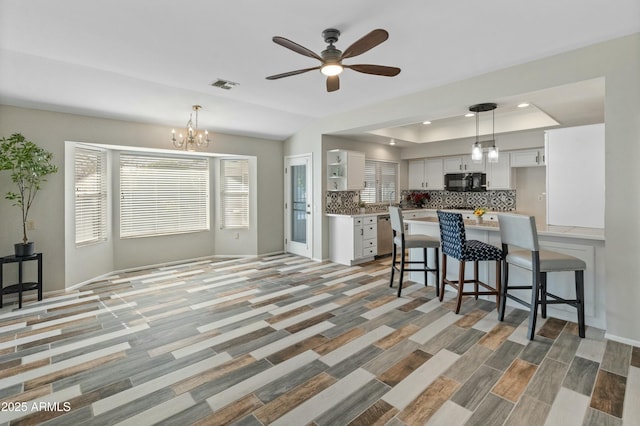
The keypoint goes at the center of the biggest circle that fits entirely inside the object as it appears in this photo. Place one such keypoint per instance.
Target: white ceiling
(151, 60)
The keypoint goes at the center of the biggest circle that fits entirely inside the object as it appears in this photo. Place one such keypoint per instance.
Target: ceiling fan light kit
(476, 149)
(331, 58)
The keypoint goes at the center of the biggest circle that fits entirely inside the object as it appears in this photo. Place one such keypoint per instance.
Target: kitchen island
(585, 243)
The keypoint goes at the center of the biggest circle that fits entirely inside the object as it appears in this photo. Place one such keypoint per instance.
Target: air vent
(224, 84)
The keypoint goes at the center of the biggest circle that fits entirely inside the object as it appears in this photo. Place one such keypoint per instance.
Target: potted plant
(29, 166)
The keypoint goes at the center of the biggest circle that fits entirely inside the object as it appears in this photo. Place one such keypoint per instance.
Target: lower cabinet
(352, 239)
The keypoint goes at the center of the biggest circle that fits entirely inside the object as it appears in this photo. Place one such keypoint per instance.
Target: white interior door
(298, 205)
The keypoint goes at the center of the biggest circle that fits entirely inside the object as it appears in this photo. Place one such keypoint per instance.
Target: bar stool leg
(498, 285)
(402, 254)
(543, 294)
(443, 276)
(535, 291)
(503, 290)
(437, 268)
(424, 262)
(475, 279)
(580, 301)
(393, 264)
(460, 285)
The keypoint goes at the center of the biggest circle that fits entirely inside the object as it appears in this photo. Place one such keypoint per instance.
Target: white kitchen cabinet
(426, 174)
(353, 239)
(345, 170)
(462, 164)
(528, 158)
(500, 175)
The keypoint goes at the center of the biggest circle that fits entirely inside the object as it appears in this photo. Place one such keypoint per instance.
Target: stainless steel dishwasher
(385, 236)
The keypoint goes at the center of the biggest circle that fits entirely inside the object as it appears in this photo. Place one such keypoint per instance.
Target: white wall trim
(624, 340)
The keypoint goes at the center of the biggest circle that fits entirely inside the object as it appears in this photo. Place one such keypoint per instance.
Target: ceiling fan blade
(333, 83)
(296, 47)
(375, 69)
(367, 42)
(290, 73)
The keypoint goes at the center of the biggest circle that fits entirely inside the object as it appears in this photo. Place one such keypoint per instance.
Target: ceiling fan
(331, 58)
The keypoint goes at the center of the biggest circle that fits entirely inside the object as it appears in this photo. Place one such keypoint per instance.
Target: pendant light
(476, 148)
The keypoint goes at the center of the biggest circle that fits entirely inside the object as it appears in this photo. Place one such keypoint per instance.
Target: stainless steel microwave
(461, 182)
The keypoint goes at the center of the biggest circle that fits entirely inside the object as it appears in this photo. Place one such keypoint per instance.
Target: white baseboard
(624, 340)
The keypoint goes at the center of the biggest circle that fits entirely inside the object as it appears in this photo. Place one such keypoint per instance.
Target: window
(381, 179)
(234, 193)
(163, 195)
(90, 180)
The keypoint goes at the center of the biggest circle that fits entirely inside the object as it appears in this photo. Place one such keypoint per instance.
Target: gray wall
(65, 265)
(618, 61)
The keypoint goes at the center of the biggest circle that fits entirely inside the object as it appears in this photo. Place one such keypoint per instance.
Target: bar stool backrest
(518, 230)
(452, 234)
(397, 224)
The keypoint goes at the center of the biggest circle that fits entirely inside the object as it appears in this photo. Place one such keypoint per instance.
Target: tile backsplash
(346, 202)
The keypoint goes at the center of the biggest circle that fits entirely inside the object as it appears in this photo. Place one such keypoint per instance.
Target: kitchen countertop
(376, 213)
(543, 230)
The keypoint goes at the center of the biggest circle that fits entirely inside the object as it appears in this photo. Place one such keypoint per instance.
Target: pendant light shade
(476, 148)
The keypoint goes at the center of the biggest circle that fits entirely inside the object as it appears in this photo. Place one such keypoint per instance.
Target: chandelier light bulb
(194, 138)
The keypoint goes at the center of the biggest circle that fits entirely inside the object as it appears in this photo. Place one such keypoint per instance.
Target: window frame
(240, 193)
(94, 195)
(178, 205)
(375, 190)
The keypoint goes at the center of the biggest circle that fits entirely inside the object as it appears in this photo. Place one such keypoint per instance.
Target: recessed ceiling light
(523, 105)
(469, 114)
(426, 122)
(392, 142)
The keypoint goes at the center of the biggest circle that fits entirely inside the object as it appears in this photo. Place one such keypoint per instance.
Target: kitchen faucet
(391, 194)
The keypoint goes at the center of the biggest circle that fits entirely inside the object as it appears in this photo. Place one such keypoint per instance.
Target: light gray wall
(66, 266)
(618, 61)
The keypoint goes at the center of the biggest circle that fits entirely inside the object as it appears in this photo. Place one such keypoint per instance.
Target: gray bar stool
(456, 245)
(404, 241)
(520, 231)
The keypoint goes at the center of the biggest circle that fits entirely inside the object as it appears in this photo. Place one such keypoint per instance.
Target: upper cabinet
(528, 158)
(426, 174)
(345, 170)
(500, 175)
(462, 164)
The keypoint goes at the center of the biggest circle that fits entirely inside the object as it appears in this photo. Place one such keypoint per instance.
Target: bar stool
(520, 231)
(456, 245)
(408, 242)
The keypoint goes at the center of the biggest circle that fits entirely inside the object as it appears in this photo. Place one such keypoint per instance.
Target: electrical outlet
(30, 225)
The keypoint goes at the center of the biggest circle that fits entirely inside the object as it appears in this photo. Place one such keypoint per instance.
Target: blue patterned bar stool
(408, 242)
(455, 245)
(520, 232)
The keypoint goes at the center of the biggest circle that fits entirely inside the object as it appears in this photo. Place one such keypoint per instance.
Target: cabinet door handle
(361, 231)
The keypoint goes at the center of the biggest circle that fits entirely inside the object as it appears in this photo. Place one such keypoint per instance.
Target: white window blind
(163, 195)
(381, 179)
(90, 180)
(234, 193)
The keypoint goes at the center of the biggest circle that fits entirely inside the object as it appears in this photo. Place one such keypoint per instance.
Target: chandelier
(476, 148)
(194, 139)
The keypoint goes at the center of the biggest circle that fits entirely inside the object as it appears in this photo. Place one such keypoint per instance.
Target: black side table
(20, 286)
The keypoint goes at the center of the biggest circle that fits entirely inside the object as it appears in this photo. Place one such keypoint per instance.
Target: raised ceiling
(151, 60)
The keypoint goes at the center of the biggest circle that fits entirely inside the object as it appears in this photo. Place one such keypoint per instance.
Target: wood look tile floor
(284, 340)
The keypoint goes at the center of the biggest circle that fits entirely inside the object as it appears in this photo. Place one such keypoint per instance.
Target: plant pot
(478, 220)
(24, 249)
